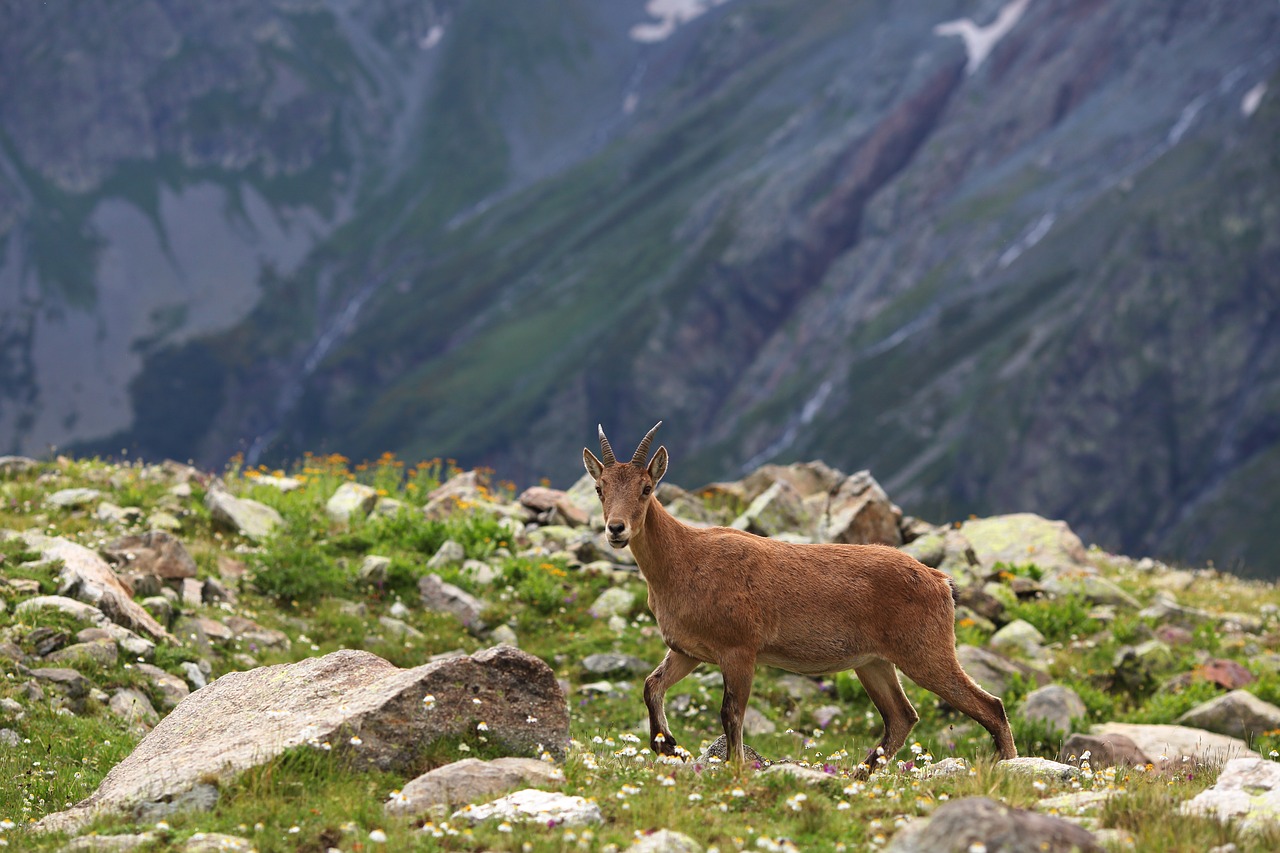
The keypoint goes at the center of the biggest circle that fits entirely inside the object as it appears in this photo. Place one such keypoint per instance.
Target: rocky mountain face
(1007, 255)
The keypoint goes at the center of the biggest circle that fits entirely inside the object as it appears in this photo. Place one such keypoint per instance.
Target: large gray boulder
(86, 577)
(1054, 704)
(980, 823)
(468, 780)
(373, 714)
(1238, 714)
(778, 509)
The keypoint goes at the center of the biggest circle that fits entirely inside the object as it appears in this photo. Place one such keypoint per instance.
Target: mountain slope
(1027, 263)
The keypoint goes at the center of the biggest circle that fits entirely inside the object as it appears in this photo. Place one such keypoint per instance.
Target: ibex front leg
(739, 669)
(674, 667)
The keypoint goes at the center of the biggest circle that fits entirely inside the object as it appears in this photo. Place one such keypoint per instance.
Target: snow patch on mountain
(980, 41)
(671, 14)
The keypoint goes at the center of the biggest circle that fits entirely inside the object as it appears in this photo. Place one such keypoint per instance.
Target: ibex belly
(812, 666)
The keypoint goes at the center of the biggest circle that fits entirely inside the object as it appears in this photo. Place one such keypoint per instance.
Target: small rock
(216, 842)
(248, 517)
(1106, 750)
(172, 689)
(614, 663)
(109, 513)
(859, 511)
(825, 715)
(374, 569)
(468, 780)
(1227, 674)
(9, 738)
(441, 597)
(194, 674)
(72, 498)
(201, 797)
(1167, 746)
(155, 552)
(807, 775)
(992, 671)
(66, 681)
(167, 521)
(1039, 768)
(614, 601)
(979, 823)
(103, 653)
(109, 843)
(1018, 636)
(533, 805)
(1056, 705)
(447, 554)
(504, 635)
(944, 768)
(399, 629)
(755, 723)
(479, 572)
(665, 841)
(132, 706)
(719, 748)
(351, 499)
(12, 466)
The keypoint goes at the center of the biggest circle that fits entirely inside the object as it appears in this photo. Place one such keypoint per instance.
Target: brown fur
(734, 599)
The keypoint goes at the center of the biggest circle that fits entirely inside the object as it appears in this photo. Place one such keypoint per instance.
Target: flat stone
(12, 466)
(72, 498)
(245, 719)
(109, 843)
(1024, 538)
(614, 663)
(665, 841)
(66, 681)
(1167, 746)
(100, 652)
(806, 775)
(1039, 768)
(533, 805)
(1247, 792)
(75, 609)
(1102, 750)
(469, 780)
(216, 842)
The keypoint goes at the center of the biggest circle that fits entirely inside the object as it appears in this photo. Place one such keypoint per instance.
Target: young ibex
(734, 599)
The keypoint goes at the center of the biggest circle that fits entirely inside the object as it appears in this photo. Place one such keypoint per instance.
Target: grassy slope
(305, 800)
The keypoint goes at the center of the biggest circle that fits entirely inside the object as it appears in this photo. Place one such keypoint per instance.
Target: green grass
(304, 583)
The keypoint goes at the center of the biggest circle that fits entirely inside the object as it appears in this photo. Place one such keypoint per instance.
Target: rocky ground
(348, 657)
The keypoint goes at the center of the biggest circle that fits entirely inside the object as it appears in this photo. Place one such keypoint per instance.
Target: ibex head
(625, 489)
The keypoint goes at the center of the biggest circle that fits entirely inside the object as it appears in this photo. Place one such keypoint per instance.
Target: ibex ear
(593, 465)
(658, 465)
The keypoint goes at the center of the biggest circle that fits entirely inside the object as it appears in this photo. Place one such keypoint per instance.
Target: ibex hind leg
(880, 680)
(674, 667)
(952, 684)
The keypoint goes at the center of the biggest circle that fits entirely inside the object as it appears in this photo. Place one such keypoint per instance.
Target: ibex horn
(642, 452)
(605, 449)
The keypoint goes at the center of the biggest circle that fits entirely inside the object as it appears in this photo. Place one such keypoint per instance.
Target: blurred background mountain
(1008, 255)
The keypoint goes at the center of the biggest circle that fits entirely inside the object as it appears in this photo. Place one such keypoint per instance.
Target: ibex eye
(647, 490)
(599, 491)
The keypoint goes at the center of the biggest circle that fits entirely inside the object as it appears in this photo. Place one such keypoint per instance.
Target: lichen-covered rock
(468, 780)
(373, 713)
(978, 823)
(531, 804)
(1238, 714)
(1167, 746)
(1024, 538)
(248, 517)
(349, 500)
(778, 509)
(1247, 791)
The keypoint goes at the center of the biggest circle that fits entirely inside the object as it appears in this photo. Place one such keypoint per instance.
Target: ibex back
(734, 599)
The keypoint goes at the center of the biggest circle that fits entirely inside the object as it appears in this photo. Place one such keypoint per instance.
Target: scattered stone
(532, 805)
(1022, 539)
(778, 509)
(469, 780)
(1039, 768)
(161, 520)
(248, 631)
(216, 842)
(12, 466)
(1054, 704)
(1167, 746)
(76, 609)
(1103, 750)
(1086, 584)
(195, 674)
(1018, 636)
(1076, 802)
(755, 723)
(480, 572)
(1247, 792)
(171, 688)
(504, 635)
(825, 715)
(66, 681)
(461, 491)
(447, 554)
(374, 569)
(807, 775)
(978, 823)
(719, 748)
(1164, 608)
(992, 671)
(400, 629)
(245, 719)
(665, 841)
(798, 686)
(44, 641)
(109, 513)
(944, 768)
(192, 592)
(859, 512)
(351, 499)
(132, 706)
(103, 653)
(72, 498)
(1226, 673)
(153, 553)
(110, 843)
(441, 597)
(10, 738)
(615, 601)
(1238, 714)
(614, 663)
(284, 484)
(248, 517)
(552, 506)
(87, 577)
